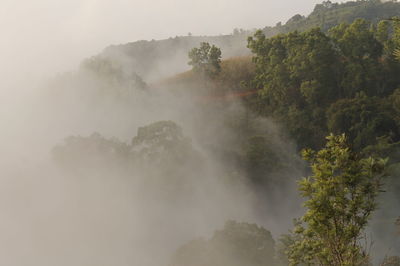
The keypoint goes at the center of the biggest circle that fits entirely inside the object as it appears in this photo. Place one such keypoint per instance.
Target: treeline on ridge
(343, 81)
(333, 79)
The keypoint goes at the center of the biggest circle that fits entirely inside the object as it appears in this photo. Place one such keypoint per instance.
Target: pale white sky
(37, 36)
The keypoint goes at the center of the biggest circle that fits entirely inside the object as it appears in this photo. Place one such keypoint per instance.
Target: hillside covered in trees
(297, 121)
(155, 58)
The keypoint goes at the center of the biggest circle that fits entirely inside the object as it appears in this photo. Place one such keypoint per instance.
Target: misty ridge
(138, 158)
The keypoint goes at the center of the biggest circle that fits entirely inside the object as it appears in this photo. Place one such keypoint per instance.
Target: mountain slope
(153, 59)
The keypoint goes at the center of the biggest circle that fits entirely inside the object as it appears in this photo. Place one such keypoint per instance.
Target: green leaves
(292, 68)
(236, 244)
(316, 83)
(206, 59)
(340, 198)
(364, 119)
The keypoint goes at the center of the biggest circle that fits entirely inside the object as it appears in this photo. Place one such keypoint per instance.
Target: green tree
(395, 44)
(340, 198)
(206, 59)
(361, 51)
(166, 159)
(113, 74)
(160, 155)
(297, 75)
(162, 145)
(303, 78)
(81, 154)
(364, 119)
(236, 244)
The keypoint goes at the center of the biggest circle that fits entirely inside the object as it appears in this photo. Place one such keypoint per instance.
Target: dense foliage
(339, 78)
(206, 60)
(344, 81)
(236, 244)
(113, 73)
(329, 14)
(159, 153)
(340, 198)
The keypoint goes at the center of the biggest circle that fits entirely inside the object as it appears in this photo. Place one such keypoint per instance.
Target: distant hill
(154, 60)
(328, 14)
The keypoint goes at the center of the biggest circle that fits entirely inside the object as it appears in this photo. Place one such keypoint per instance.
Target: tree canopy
(206, 59)
(236, 244)
(305, 78)
(340, 198)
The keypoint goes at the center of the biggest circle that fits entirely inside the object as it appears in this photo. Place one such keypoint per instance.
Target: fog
(100, 198)
(114, 212)
(85, 210)
(45, 36)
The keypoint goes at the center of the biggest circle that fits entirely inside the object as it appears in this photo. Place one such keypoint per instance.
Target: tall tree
(341, 196)
(206, 59)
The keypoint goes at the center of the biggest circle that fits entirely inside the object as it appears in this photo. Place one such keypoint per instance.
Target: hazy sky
(56, 34)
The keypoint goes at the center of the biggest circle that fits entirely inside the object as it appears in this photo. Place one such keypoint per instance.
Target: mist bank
(155, 59)
(112, 164)
(94, 176)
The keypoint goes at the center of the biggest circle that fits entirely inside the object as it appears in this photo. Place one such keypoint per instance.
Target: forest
(271, 147)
